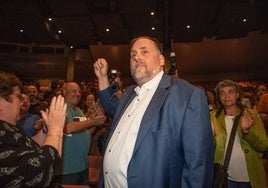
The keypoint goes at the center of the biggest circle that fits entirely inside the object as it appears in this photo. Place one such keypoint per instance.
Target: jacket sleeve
(108, 100)
(197, 143)
(257, 136)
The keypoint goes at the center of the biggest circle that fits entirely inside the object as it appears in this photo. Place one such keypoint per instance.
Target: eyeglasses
(19, 95)
(229, 92)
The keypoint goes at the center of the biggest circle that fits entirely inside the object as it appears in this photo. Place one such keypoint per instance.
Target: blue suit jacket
(174, 146)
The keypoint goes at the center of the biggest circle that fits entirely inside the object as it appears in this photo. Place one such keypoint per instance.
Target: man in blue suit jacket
(161, 135)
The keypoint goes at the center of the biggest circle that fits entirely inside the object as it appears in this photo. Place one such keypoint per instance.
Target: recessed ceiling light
(188, 26)
(49, 19)
(59, 31)
(244, 20)
(152, 13)
(107, 29)
(71, 47)
(153, 28)
(21, 30)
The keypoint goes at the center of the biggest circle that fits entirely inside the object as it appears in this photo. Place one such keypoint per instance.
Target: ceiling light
(244, 20)
(107, 29)
(59, 31)
(71, 47)
(152, 13)
(153, 28)
(21, 30)
(50, 19)
(188, 26)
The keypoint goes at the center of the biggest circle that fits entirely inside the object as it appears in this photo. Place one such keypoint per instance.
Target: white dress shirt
(120, 147)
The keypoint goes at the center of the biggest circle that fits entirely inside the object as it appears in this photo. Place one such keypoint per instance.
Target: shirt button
(109, 150)
(106, 172)
(246, 150)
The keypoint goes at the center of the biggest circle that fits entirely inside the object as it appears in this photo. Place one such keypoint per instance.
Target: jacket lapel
(153, 107)
(126, 100)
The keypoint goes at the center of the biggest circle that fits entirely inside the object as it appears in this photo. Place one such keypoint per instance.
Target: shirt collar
(153, 83)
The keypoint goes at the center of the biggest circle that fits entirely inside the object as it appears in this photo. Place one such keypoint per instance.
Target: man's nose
(137, 57)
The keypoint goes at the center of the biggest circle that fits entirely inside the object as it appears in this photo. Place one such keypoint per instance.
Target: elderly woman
(245, 168)
(23, 163)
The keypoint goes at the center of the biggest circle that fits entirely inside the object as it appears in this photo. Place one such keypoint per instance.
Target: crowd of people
(162, 131)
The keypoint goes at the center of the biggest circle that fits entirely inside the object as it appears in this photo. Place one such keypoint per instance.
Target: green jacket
(252, 144)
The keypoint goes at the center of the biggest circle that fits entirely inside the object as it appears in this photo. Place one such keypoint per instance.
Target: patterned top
(22, 162)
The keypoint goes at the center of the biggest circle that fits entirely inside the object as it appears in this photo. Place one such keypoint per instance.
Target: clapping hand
(247, 120)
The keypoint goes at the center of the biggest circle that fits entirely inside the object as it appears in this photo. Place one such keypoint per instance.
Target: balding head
(72, 93)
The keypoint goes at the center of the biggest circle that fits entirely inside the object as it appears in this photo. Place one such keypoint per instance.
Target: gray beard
(140, 80)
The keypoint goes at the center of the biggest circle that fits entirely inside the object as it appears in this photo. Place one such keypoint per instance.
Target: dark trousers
(79, 178)
(234, 184)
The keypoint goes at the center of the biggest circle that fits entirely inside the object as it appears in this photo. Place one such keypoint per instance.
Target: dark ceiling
(85, 22)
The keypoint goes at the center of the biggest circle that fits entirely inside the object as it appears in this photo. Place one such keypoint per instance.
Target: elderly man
(161, 134)
(77, 139)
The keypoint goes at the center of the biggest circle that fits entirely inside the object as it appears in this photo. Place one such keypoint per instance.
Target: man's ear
(162, 60)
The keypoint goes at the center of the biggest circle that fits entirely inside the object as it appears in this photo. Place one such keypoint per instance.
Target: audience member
(245, 167)
(161, 134)
(262, 105)
(23, 163)
(120, 84)
(36, 104)
(77, 139)
(211, 97)
(28, 122)
(91, 108)
(262, 89)
(245, 98)
(262, 108)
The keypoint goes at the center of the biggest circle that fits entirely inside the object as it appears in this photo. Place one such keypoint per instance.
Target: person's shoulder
(264, 96)
(182, 83)
(130, 88)
(33, 116)
(213, 113)
(79, 112)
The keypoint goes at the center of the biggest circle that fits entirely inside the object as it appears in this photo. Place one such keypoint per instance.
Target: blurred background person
(92, 108)
(259, 91)
(117, 83)
(262, 108)
(28, 122)
(211, 97)
(36, 105)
